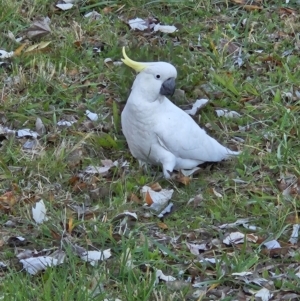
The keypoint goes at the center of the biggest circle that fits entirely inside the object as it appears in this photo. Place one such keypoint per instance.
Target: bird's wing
(182, 136)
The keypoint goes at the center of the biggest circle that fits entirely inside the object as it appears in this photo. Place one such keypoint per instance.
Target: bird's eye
(157, 76)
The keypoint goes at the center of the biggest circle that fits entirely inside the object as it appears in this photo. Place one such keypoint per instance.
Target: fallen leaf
(199, 104)
(197, 200)
(166, 210)
(181, 178)
(295, 234)
(272, 244)
(134, 198)
(70, 225)
(165, 28)
(35, 264)
(65, 123)
(91, 116)
(125, 213)
(17, 241)
(18, 51)
(39, 28)
(252, 238)
(234, 238)
(161, 276)
(156, 186)
(27, 133)
(264, 294)
(7, 200)
(216, 193)
(107, 9)
(162, 226)
(5, 55)
(101, 170)
(138, 24)
(252, 7)
(64, 6)
(39, 212)
(3, 265)
(236, 223)
(286, 11)
(93, 15)
(271, 59)
(37, 47)
(196, 249)
(242, 274)
(148, 199)
(238, 1)
(158, 198)
(93, 257)
(210, 260)
(227, 114)
(40, 127)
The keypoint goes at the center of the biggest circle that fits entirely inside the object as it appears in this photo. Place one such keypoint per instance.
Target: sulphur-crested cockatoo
(156, 130)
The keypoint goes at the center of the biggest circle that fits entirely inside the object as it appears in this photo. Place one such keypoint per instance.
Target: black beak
(168, 87)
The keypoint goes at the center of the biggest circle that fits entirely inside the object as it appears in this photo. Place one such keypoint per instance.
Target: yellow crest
(134, 65)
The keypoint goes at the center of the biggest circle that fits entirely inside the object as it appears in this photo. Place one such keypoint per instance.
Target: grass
(69, 77)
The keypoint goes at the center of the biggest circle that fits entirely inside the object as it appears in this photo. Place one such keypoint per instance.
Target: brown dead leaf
(18, 51)
(74, 180)
(75, 157)
(271, 59)
(252, 7)
(283, 11)
(276, 251)
(213, 286)
(252, 238)
(55, 235)
(107, 10)
(162, 226)
(148, 199)
(242, 2)
(229, 46)
(156, 186)
(53, 137)
(70, 225)
(197, 200)
(281, 184)
(181, 178)
(184, 180)
(39, 28)
(245, 2)
(245, 99)
(78, 44)
(260, 240)
(7, 200)
(37, 47)
(31, 198)
(157, 200)
(80, 186)
(255, 5)
(292, 218)
(73, 72)
(134, 198)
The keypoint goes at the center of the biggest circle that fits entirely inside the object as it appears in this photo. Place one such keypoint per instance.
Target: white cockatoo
(159, 132)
